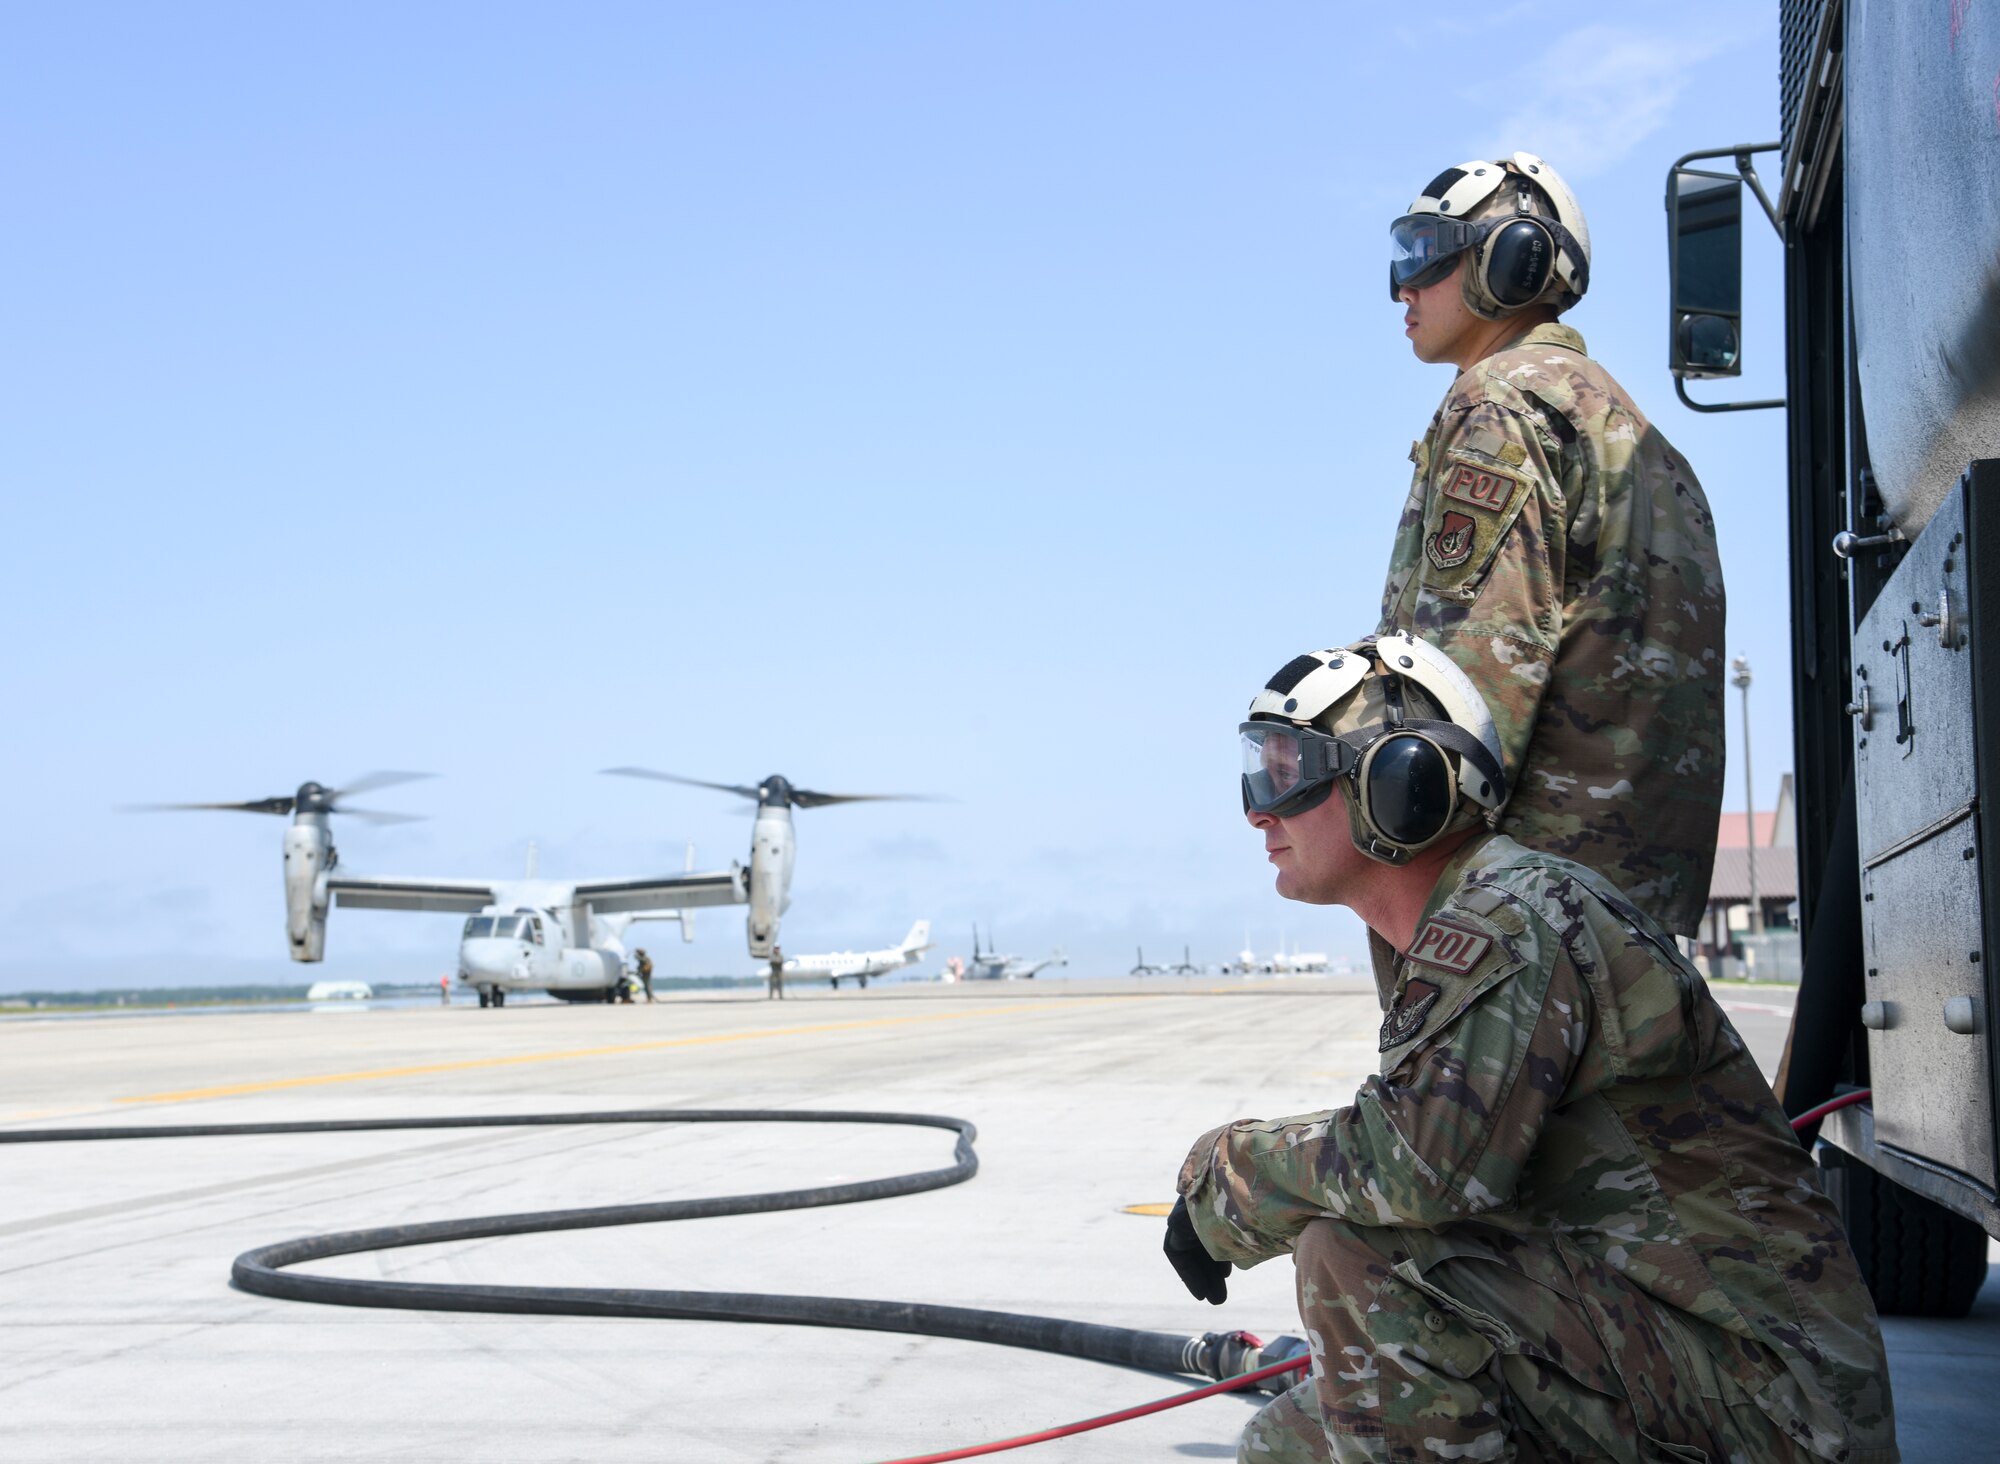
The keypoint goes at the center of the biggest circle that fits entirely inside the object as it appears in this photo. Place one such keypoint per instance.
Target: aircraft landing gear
(492, 996)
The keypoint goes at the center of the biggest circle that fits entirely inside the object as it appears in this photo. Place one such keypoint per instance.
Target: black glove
(1200, 1272)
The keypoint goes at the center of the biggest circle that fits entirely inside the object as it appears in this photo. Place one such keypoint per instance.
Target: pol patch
(1479, 486)
(1449, 947)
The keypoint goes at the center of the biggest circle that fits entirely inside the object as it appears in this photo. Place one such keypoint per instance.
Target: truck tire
(1918, 1258)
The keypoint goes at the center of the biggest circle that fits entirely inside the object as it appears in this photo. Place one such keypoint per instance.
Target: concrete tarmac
(125, 1341)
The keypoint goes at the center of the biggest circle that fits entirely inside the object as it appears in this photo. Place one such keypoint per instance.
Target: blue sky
(977, 399)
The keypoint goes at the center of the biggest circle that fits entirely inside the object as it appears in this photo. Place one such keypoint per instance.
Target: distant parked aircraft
(1283, 963)
(991, 966)
(860, 965)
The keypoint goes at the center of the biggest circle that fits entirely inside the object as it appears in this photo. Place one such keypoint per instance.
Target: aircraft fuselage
(521, 947)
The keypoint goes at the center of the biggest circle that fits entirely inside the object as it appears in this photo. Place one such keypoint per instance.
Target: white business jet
(858, 966)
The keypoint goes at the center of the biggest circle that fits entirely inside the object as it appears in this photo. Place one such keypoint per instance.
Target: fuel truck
(1886, 203)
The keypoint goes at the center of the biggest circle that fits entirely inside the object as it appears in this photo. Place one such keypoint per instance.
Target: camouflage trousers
(1467, 1344)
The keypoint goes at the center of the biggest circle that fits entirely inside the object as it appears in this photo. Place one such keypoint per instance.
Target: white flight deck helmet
(1528, 240)
(1397, 719)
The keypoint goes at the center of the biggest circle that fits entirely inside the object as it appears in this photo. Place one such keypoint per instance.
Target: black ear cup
(1518, 260)
(1408, 791)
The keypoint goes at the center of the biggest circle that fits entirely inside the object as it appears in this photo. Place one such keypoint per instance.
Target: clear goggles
(1424, 247)
(1403, 780)
(1287, 770)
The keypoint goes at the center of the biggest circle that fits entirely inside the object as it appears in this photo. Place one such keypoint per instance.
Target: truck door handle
(1847, 543)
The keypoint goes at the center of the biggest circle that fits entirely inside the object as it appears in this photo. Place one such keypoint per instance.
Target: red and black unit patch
(1449, 947)
(1406, 1018)
(1478, 486)
(1451, 545)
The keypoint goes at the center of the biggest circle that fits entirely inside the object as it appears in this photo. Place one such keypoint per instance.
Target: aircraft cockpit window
(535, 929)
(511, 927)
(478, 926)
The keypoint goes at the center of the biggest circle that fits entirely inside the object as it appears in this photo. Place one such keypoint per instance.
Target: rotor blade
(369, 782)
(806, 798)
(375, 816)
(736, 788)
(260, 805)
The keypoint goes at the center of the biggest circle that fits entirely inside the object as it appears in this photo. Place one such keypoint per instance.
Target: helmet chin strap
(1474, 297)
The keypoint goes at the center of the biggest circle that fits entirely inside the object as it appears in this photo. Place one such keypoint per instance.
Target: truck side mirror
(1705, 263)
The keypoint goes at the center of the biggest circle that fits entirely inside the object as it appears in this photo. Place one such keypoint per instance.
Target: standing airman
(1556, 546)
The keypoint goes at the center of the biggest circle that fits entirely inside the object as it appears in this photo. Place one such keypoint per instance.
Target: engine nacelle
(308, 856)
(771, 852)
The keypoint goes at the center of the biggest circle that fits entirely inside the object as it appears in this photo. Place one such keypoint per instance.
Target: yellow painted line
(1147, 1210)
(231, 1090)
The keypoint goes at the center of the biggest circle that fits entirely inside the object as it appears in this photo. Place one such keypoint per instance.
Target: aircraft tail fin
(919, 938)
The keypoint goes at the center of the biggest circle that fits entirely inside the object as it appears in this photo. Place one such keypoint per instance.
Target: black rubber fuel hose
(264, 1272)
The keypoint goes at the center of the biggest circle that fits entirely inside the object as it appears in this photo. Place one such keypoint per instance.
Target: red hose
(1845, 1100)
(1105, 1420)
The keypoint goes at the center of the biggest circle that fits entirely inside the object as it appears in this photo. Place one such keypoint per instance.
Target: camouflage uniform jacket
(1557, 547)
(1553, 1067)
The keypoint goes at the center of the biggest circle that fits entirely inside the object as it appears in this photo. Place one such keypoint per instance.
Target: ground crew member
(1557, 546)
(1568, 1219)
(645, 968)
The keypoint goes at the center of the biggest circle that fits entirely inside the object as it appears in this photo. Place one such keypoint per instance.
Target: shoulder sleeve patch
(1453, 961)
(1449, 947)
(1451, 543)
(1474, 490)
(1414, 1001)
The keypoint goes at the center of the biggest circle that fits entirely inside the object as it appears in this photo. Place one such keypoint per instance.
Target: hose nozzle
(1222, 1355)
(1283, 1349)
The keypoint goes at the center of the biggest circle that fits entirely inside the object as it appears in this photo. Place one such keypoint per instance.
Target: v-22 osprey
(564, 937)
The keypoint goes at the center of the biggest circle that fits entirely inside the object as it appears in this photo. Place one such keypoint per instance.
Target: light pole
(1741, 680)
